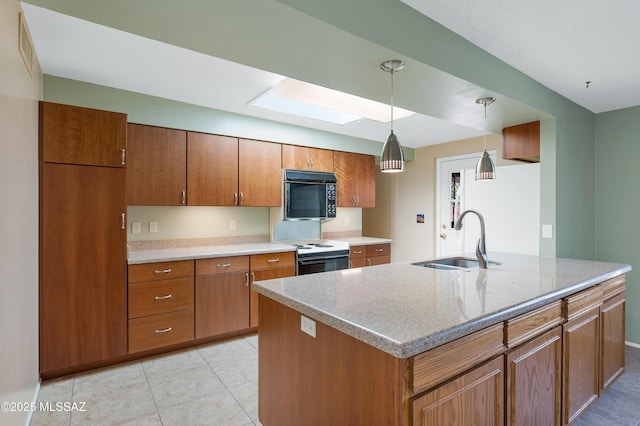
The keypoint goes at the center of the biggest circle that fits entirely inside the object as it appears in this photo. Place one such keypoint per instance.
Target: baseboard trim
(34, 401)
(633, 345)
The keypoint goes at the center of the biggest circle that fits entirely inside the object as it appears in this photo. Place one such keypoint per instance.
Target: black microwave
(309, 195)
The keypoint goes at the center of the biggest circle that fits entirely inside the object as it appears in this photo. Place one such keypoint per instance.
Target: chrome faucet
(481, 250)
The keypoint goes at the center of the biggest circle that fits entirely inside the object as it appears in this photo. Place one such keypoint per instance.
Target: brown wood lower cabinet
(475, 397)
(544, 367)
(160, 330)
(369, 255)
(222, 303)
(580, 371)
(534, 381)
(266, 267)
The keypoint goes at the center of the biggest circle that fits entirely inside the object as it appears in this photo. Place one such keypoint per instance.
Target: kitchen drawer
(374, 250)
(160, 297)
(272, 260)
(358, 252)
(358, 263)
(527, 326)
(613, 287)
(579, 303)
(437, 365)
(222, 265)
(156, 331)
(160, 271)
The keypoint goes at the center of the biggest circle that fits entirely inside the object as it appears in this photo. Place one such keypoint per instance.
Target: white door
(450, 200)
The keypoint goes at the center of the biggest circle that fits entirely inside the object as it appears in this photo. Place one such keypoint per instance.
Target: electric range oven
(320, 256)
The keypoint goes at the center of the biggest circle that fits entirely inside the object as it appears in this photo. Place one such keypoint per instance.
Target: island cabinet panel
(222, 295)
(156, 166)
(612, 351)
(476, 397)
(437, 365)
(534, 381)
(212, 170)
(307, 158)
(332, 379)
(581, 350)
(77, 135)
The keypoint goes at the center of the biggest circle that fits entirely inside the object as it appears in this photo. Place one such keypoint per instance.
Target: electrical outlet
(346, 222)
(233, 225)
(308, 326)
(153, 227)
(547, 231)
(135, 228)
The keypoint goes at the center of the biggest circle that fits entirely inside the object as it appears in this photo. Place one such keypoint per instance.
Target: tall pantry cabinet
(83, 255)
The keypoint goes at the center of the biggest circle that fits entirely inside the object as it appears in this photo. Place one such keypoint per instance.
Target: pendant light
(392, 158)
(485, 170)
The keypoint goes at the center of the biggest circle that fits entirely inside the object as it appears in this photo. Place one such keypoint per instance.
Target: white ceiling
(521, 34)
(561, 44)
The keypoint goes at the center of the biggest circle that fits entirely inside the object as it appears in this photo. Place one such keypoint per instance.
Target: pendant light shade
(485, 169)
(392, 157)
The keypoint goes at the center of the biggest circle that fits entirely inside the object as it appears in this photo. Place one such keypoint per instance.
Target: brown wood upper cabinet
(76, 135)
(356, 179)
(522, 142)
(307, 158)
(227, 171)
(156, 166)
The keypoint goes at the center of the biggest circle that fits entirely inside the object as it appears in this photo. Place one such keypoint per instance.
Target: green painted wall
(618, 201)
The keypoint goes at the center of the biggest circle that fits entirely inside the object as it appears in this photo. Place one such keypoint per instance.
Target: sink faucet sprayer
(481, 250)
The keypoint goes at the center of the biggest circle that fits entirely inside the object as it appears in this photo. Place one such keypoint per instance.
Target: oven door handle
(316, 261)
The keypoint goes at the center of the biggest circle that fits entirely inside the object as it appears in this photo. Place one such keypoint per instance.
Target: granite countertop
(404, 309)
(356, 241)
(203, 252)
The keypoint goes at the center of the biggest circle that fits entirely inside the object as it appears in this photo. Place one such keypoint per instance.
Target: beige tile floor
(214, 384)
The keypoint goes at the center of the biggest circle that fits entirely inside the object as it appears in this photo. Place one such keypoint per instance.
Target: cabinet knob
(443, 236)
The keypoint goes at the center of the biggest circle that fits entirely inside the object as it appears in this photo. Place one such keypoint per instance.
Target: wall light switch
(153, 227)
(135, 228)
(547, 231)
(233, 225)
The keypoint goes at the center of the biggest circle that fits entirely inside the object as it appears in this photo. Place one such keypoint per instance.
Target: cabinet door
(356, 179)
(212, 170)
(76, 135)
(533, 380)
(344, 165)
(260, 173)
(156, 166)
(612, 325)
(83, 280)
(222, 303)
(265, 274)
(307, 158)
(476, 397)
(580, 370)
(365, 180)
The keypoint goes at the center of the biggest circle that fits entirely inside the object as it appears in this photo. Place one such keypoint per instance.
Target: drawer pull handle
(357, 252)
(223, 265)
(122, 158)
(164, 330)
(246, 284)
(379, 250)
(168, 296)
(273, 260)
(162, 271)
(368, 262)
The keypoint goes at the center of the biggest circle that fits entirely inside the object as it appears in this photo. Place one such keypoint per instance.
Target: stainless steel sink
(456, 262)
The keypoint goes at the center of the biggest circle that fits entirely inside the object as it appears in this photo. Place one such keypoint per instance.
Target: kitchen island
(403, 344)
